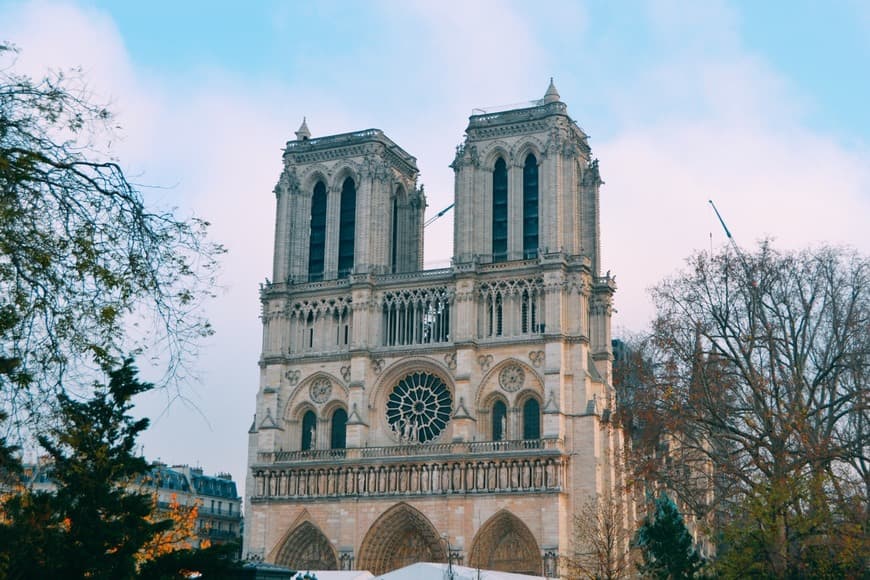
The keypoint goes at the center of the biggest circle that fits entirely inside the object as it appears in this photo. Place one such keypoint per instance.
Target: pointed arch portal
(400, 537)
(306, 548)
(504, 543)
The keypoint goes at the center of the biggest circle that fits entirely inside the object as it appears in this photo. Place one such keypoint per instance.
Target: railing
(500, 475)
(339, 139)
(395, 277)
(517, 447)
(352, 138)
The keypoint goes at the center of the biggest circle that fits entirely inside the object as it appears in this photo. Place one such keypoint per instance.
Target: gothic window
(346, 228)
(499, 211)
(499, 421)
(420, 316)
(309, 433)
(530, 208)
(494, 315)
(309, 331)
(317, 240)
(529, 312)
(395, 236)
(339, 429)
(531, 419)
(419, 408)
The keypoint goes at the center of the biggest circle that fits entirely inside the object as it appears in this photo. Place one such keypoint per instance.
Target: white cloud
(727, 128)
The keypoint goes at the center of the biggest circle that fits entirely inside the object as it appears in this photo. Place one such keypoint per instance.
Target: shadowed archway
(504, 543)
(306, 548)
(400, 537)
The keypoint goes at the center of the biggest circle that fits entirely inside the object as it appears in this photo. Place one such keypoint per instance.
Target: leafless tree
(601, 540)
(758, 363)
(81, 255)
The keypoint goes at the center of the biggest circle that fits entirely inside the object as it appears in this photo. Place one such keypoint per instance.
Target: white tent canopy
(433, 571)
(336, 574)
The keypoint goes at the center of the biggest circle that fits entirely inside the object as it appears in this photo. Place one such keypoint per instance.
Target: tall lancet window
(530, 208)
(309, 431)
(346, 228)
(394, 249)
(499, 211)
(317, 240)
(338, 436)
(499, 421)
(531, 419)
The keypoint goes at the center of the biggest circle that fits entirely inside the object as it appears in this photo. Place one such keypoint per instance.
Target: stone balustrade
(411, 478)
(429, 450)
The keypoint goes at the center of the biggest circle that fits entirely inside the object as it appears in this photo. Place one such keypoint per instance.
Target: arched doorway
(306, 548)
(505, 543)
(400, 537)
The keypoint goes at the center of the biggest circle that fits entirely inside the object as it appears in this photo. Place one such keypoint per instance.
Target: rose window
(418, 408)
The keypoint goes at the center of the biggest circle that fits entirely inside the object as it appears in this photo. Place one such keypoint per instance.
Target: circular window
(418, 408)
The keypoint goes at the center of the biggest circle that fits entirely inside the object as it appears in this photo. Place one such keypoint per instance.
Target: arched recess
(307, 548)
(400, 537)
(489, 384)
(530, 405)
(399, 202)
(506, 544)
(500, 211)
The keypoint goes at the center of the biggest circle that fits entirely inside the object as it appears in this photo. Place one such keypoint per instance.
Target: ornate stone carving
(450, 360)
(346, 560)
(511, 378)
(320, 390)
(537, 358)
(485, 361)
(345, 373)
(419, 408)
(378, 365)
(292, 376)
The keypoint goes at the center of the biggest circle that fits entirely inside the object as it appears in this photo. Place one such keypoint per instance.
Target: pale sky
(761, 106)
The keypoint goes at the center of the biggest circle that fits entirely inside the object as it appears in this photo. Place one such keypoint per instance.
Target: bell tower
(526, 185)
(347, 204)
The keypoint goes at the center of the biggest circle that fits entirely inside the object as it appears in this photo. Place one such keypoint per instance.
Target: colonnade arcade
(403, 535)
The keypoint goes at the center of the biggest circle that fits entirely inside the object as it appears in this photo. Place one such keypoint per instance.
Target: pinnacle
(303, 133)
(552, 95)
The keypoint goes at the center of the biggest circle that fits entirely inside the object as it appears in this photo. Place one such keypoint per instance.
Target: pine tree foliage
(666, 545)
(100, 523)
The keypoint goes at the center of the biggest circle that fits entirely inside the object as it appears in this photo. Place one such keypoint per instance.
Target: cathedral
(454, 415)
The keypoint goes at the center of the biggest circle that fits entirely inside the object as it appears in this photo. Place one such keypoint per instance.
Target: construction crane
(429, 221)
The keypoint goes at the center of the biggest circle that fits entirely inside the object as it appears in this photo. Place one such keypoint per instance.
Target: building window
(532, 419)
(309, 433)
(494, 315)
(499, 421)
(317, 241)
(395, 237)
(346, 228)
(419, 408)
(338, 437)
(530, 208)
(499, 211)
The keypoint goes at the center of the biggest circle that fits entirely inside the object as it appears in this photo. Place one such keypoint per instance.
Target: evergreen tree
(97, 522)
(666, 545)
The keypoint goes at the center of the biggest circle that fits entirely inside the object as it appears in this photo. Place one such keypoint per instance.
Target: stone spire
(552, 95)
(303, 134)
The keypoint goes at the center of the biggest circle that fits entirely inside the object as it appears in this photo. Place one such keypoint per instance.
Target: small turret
(552, 95)
(303, 134)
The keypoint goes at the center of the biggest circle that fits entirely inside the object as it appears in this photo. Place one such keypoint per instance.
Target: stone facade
(406, 414)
